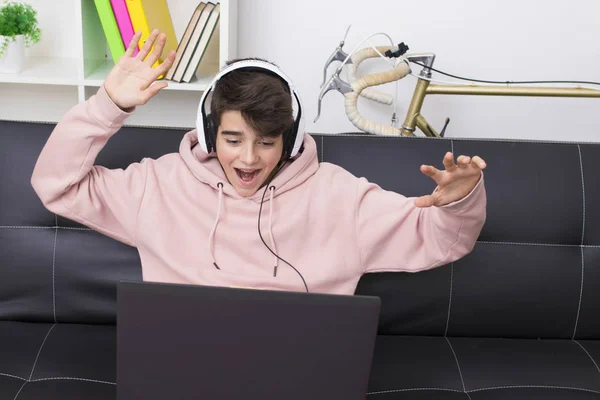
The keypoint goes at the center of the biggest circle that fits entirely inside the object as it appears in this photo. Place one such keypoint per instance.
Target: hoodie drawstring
(218, 217)
(214, 229)
(271, 206)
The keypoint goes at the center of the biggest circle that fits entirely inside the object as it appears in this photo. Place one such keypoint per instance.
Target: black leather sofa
(518, 318)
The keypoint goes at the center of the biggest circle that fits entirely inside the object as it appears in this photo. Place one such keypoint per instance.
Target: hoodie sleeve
(395, 235)
(68, 183)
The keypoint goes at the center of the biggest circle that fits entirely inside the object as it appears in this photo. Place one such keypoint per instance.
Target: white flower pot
(13, 59)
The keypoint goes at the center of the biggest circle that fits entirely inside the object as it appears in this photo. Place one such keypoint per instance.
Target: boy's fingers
(449, 161)
(425, 201)
(152, 90)
(429, 170)
(158, 49)
(463, 161)
(163, 68)
(133, 44)
(148, 45)
(479, 162)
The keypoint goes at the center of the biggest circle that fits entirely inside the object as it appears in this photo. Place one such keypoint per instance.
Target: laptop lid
(201, 342)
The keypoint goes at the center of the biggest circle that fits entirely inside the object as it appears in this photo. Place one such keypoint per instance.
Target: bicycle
(362, 86)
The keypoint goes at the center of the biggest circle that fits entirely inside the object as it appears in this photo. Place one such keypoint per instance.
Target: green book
(111, 30)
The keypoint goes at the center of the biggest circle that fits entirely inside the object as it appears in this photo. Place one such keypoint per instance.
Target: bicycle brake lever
(337, 55)
(334, 83)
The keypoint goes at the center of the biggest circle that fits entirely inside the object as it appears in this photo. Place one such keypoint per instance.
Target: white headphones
(205, 125)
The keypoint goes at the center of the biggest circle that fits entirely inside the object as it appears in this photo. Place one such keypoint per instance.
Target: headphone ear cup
(292, 136)
(210, 134)
(288, 143)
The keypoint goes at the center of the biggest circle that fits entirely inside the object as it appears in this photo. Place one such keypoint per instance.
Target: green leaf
(18, 18)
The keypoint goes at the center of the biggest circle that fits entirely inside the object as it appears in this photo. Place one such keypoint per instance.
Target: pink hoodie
(330, 225)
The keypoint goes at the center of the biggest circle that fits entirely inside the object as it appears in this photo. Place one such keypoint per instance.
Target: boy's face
(246, 157)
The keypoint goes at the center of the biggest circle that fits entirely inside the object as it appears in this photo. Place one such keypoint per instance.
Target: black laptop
(202, 342)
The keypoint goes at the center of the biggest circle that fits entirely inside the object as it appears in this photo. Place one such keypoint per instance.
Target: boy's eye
(231, 141)
(268, 143)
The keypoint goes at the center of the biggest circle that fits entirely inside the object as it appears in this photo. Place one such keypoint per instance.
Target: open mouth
(247, 176)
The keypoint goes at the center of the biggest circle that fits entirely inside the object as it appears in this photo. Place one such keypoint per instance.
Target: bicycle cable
(506, 82)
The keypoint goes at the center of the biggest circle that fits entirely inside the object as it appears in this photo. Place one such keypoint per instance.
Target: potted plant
(18, 29)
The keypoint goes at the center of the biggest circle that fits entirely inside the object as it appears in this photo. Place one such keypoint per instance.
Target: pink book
(124, 22)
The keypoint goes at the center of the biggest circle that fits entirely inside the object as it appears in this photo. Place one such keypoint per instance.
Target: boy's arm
(69, 184)
(395, 235)
(65, 178)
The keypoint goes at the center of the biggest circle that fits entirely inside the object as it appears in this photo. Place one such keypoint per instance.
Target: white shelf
(35, 102)
(65, 69)
(46, 71)
(97, 77)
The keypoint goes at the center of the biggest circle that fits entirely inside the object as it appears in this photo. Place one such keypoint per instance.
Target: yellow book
(147, 15)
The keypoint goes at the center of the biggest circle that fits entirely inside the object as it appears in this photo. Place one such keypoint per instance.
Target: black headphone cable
(260, 234)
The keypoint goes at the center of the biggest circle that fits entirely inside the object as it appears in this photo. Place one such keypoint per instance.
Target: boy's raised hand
(132, 81)
(455, 182)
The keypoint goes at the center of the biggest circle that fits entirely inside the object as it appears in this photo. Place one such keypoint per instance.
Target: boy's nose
(249, 155)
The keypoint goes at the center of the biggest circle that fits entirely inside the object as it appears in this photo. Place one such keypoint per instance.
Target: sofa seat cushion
(57, 361)
(76, 361)
(419, 367)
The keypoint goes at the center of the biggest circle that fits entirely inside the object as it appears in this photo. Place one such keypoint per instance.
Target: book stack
(120, 20)
(196, 53)
(199, 47)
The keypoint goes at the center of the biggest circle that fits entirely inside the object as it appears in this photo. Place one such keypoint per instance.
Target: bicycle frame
(424, 87)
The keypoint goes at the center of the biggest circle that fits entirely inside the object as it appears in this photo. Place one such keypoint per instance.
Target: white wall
(491, 39)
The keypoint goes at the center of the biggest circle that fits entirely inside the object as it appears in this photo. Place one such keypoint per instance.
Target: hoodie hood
(207, 169)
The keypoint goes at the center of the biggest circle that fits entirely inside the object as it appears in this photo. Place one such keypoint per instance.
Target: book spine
(111, 30)
(123, 22)
(139, 22)
(207, 35)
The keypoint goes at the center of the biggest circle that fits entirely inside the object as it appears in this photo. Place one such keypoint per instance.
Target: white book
(200, 50)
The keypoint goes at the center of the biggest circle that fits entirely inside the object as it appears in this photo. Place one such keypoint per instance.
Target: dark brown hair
(262, 97)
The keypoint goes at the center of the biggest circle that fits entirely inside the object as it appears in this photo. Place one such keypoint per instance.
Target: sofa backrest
(535, 271)
(51, 268)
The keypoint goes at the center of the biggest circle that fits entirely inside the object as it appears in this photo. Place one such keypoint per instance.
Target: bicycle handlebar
(357, 58)
(359, 86)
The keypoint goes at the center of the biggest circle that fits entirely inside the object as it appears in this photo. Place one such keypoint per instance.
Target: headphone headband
(205, 126)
